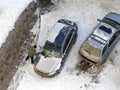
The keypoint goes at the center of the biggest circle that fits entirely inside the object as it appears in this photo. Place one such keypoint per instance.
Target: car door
(113, 40)
(105, 52)
(109, 46)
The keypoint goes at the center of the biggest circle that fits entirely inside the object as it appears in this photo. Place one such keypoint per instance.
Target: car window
(113, 38)
(105, 49)
(67, 41)
(112, 23)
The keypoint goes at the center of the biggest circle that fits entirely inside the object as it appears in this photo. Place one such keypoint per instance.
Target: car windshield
(91, 50)
(50, 49)
(112, 23)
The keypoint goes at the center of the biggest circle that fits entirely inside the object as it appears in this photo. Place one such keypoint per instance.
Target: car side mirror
(99, 20)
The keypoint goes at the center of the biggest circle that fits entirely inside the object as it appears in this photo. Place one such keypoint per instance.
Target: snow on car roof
(104, 31)
(55, 31)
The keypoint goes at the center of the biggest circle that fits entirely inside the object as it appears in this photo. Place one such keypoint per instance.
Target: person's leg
(32, 61)
(27, 58)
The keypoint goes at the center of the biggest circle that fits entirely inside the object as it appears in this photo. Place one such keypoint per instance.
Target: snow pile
(85, 14)
(9, 13)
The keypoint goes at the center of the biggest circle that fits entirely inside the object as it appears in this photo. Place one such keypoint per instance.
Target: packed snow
(9, 13)
(85, 14)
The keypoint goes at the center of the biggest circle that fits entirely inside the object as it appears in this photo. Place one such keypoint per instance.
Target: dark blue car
(55, 50)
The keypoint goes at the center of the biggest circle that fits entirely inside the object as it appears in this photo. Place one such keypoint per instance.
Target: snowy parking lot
(85, 14)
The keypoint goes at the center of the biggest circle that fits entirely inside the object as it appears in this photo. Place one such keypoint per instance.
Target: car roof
(104, 32)
(60, 24)
(55, 31)
(60, 30)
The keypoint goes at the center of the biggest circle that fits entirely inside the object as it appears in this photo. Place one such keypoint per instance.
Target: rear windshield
(91, 49)
(105, 29)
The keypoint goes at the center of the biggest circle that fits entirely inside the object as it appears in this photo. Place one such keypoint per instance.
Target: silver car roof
(100, 37)
(104, 31)
(55, 31)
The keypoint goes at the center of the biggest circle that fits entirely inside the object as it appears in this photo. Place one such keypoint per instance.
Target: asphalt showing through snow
(11, 51)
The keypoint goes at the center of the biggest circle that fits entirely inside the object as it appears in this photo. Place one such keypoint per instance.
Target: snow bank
(9, 13)
(85, 14)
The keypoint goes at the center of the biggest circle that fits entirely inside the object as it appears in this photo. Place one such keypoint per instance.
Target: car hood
(48, 65)
(90, 57)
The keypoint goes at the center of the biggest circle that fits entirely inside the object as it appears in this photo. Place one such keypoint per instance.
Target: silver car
(101, 41)
(55, 50)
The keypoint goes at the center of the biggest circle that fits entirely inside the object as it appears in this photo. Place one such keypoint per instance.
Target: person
(31, 53)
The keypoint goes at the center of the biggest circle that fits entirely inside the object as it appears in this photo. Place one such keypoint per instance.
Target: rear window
(105, 29)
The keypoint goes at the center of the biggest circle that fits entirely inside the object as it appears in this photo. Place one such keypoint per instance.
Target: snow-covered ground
(85, 14)
(9, 13)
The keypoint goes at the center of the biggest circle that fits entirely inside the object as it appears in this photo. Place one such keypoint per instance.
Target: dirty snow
(85, 14)
(9, 13)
